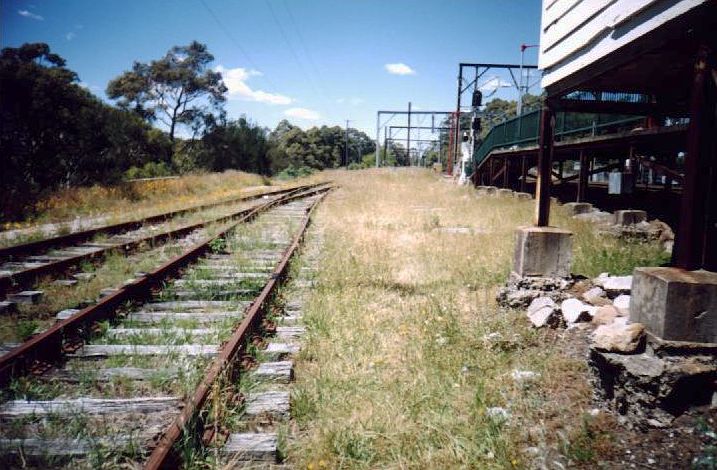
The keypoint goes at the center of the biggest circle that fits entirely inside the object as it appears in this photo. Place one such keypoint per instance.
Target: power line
(290, 47)
(303, 44)
(235, 42)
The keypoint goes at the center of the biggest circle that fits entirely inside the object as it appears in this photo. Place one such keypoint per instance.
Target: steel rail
(24, 277)
(48, 346)
(84, 235)
(161, 456)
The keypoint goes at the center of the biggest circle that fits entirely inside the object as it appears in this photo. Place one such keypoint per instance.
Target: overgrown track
(24, 269)
(134, 423)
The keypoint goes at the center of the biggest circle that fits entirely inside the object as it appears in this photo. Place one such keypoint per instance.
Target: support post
(457, 130)
(523, 173)
(378, 136)
(698, 216)
(583, 179)
(506, 170)
(408, 135)
(545, 163)
(385, 145)
(346, 148)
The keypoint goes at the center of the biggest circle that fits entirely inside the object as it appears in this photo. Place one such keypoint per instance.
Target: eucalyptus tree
(178, 89)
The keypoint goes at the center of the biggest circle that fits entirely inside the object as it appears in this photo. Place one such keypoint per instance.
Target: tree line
(168, 117)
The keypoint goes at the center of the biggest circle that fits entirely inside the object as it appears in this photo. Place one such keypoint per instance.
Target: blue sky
(311, 61)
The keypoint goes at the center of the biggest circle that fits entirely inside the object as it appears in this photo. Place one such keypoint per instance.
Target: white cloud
(494, 83)
(303, 113)
(399, 69)
(235, 79)
(91, 88)
(29, 14)
(70, 36)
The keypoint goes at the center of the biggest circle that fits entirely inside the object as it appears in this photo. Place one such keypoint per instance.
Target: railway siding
(156, 350)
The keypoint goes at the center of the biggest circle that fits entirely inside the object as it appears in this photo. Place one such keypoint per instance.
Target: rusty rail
(47, 347)
(22, 278)
(84, 235)
(161, 457)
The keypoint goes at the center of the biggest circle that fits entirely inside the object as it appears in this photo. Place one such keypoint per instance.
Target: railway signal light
(476, 124)
(477, 100)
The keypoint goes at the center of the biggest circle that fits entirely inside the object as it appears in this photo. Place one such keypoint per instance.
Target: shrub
(294, 172)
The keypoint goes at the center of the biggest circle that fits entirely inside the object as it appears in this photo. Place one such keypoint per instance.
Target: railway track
(25, 263)
(143, 375)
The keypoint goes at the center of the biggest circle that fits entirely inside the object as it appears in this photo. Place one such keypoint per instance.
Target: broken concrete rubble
(575, 311)
(543, 311)
(605, 315)
(622, 304)
(595, 296)
(614, 285)
(656, 386)
(520, 291)
(616, 337)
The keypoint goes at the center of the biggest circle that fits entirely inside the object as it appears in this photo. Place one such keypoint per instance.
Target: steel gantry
(479, 71)
(383, 124)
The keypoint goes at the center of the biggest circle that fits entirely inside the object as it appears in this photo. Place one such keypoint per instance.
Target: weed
(25, 329)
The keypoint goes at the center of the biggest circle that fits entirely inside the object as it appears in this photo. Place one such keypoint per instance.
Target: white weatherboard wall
(576, 33)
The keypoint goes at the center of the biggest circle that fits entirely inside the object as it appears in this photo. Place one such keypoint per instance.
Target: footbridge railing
(522, 131)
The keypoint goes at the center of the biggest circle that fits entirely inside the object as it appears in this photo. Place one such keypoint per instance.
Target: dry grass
(407, 351)
(128, 201)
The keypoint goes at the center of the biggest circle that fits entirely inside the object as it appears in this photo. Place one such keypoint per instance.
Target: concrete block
(83, 276)
(523, 195)
(503, 192)
(675, 305)
(630, 217)
(26, 297)
(65, 282)
(543, 251)
(575, 208)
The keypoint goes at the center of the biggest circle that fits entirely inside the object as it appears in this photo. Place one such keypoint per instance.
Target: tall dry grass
(156, 195)
(407, 355)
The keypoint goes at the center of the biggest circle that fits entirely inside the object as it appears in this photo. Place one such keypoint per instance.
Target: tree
(238, 144)
(317, 147)
(178, 89)
(55, 133)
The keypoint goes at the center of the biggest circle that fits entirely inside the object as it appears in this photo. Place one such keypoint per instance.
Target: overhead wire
(303, 43)
(294, 54)
(236, 43)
